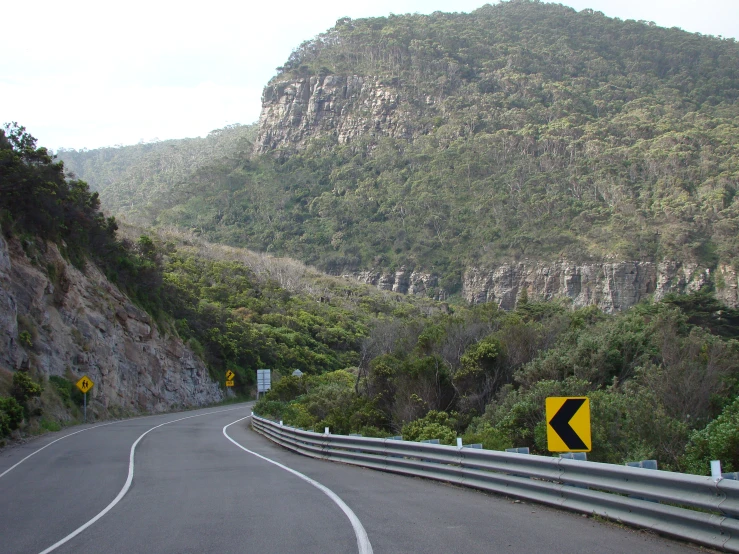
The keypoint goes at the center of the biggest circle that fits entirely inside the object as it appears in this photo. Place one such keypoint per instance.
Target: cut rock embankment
(80, 323)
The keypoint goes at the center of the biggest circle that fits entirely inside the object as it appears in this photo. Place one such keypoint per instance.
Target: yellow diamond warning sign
(568, 424)
(85, 384)
(230, 375)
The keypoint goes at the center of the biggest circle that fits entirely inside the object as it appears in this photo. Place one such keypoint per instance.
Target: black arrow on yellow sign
(561, 424)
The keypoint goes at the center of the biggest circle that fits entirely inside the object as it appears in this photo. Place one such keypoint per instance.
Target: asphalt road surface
(192, 490)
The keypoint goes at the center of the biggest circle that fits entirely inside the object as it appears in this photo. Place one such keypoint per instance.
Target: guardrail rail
(690, 507)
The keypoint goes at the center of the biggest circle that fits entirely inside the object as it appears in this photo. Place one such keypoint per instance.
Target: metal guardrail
(689, 507)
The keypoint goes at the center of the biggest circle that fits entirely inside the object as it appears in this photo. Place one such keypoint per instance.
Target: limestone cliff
(62, 321)
(402, 281)
(612, 286)
(344, 107)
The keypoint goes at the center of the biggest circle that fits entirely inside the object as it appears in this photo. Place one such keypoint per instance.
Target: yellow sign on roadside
(230, 375)
(568, 424)
(85, 384)
(229, 383)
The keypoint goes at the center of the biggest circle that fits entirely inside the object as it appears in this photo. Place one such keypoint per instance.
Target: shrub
(490, 437)
(50, 425)
(287, 389)
(25, 339)
(434, 425)
(24, 388)
(11, 415)
(719, 440)
(296, 415)
(631, 424)
(354, 414)
(270, 409)
(371, 431)
(66, 390)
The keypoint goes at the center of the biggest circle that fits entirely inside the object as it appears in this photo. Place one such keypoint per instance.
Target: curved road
(192, 490)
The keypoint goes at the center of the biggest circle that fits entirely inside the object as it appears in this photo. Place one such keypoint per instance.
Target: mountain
(522, 147)
(129, 178)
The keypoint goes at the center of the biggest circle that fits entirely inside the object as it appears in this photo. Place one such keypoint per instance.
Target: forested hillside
(131, 178)
(663, 378)
(449, 141)
(235, 310)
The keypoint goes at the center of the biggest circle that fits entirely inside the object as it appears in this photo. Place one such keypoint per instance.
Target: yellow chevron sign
(568, 424)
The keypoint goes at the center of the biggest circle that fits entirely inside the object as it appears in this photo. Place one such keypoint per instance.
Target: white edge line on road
(129, 480)
(52, 442)
(11, 468)
(363, 543)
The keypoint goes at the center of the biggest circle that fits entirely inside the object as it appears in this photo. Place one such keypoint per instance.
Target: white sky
(88, 73)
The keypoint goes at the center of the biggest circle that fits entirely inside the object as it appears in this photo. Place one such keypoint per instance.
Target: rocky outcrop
(57, 320)
(402, 281)
(10, 350)
(727, 285)
(610, 286)
(344, 107)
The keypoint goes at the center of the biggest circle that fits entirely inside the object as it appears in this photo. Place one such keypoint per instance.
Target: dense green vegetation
(660, 387)
(36, 197)
(531, 130)
(237, 319)
(128, 178)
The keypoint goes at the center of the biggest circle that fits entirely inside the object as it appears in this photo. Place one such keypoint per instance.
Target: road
(192, 490)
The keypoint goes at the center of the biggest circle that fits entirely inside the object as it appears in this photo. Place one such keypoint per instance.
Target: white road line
(11, 468)
(57, 440)
(363, 543)
(129, 480)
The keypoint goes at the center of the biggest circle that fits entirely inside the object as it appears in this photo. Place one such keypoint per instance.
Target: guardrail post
(280, 423)
(325, 431)
(582, 456)
(716, 470)
(645, 464)
(459, 442)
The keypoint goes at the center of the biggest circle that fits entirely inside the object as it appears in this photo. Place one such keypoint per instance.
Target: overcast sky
(85, 73)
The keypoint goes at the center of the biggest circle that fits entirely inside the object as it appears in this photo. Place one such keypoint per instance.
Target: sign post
(85, 384)
(230, 378)
(568, 424)
(264, 380)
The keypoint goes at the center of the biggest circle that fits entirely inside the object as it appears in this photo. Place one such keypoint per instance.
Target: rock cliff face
(610, 286)
(61, 321)
(332, 105)
(402, 281)
(347, 107)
